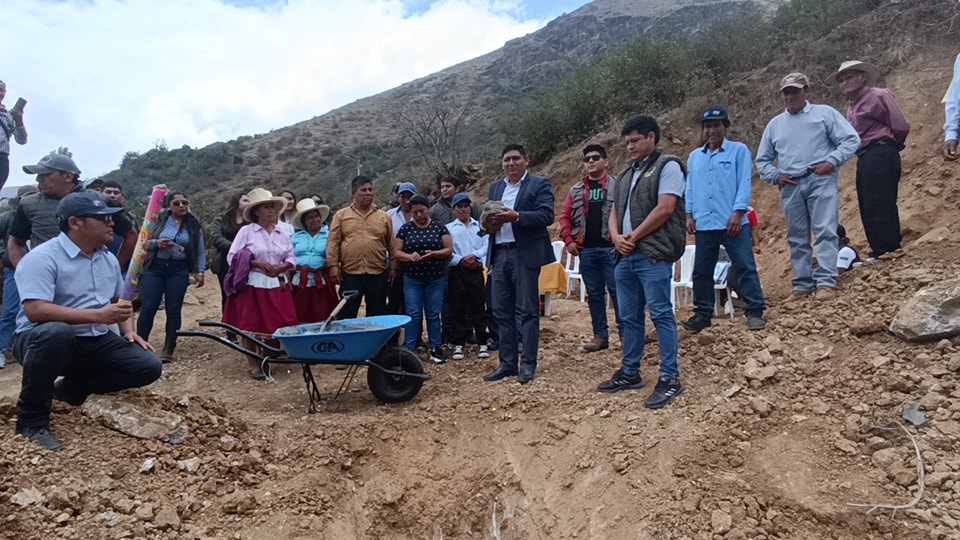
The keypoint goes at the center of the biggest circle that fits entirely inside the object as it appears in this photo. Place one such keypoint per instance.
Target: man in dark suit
(516, 253)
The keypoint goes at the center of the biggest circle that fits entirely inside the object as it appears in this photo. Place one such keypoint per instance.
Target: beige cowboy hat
(309, 205)
(855, 65)
(258, 196)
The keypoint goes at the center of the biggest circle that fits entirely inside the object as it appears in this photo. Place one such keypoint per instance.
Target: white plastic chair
(681, 290)
(717, 287)
(557, 250)
(573, 274)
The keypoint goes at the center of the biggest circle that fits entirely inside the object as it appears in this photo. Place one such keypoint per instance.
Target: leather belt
(507, 245)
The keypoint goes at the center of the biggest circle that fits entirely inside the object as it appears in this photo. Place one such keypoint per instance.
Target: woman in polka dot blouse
(423, 248)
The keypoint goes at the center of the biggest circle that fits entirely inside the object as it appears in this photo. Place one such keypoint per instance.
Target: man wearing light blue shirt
(808, 142)
(466, 291)
(67, 287)
(717, 199)
(952, 110)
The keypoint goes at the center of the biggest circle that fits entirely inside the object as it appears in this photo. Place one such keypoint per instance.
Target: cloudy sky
(104, 77)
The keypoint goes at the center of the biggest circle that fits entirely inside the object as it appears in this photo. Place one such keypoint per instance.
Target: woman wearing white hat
(313, 293)
(265, 302)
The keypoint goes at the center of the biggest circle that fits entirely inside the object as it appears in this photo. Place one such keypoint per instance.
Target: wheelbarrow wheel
(390, 388)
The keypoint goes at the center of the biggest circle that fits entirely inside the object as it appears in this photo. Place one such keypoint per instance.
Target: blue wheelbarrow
(394, 374)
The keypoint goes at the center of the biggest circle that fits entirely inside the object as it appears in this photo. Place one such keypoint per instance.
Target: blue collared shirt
(816, 134)
(58, 272)
(467, 241)
(952, 107)
(718, 184)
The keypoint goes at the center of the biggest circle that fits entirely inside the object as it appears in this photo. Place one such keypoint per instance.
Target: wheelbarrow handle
(242, 350)
(239, 332)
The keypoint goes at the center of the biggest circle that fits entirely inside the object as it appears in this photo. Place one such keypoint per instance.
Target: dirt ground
(777, 432)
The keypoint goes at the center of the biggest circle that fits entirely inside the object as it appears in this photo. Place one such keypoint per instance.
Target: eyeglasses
(179, 203)
(105, 219)
(593, 157)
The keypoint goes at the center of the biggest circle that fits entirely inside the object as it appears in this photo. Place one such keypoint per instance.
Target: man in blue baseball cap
(68, 287)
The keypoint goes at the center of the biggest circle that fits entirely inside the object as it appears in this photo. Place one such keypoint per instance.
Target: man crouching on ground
(67, 287)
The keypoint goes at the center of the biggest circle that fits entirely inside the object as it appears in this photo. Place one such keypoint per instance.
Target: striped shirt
(10, 129)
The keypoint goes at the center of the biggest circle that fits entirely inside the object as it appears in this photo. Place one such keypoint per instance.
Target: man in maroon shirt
(883, 131)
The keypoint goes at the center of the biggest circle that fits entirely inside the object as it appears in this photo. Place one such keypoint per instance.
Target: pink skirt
(260, 311)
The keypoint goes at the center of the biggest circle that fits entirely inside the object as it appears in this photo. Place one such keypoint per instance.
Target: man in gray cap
(68, 287)
(35, 220)
(809, 143)
(883, 130)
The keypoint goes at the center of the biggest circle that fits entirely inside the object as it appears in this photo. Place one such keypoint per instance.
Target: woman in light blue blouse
(176, 251)
(313, 293)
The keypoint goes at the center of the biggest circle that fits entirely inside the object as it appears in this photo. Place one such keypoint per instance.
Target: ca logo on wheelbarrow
(330, 346)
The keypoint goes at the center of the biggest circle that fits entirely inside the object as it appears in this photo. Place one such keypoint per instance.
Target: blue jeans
(8, 317)
(168, 281)
(740, 250)
(596, 267)
(423, 298)
(640, 283)
(812, 205)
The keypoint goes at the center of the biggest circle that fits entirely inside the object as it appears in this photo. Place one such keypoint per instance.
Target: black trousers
(89, 365)
(373, 289)
(4, 169)
(878, 182)
(466, 294)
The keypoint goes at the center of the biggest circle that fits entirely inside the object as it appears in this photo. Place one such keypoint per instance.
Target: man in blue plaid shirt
(11, 124)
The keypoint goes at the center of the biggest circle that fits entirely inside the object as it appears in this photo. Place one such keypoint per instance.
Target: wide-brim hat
(855, 65)
(260, 196)
(309, 205)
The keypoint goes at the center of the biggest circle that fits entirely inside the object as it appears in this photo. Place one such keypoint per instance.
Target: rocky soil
(778, 431)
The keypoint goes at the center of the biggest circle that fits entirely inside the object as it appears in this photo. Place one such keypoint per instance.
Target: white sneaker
(458, 352)
(483, 352)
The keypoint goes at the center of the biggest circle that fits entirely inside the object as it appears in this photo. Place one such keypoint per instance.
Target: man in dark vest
(647, 226)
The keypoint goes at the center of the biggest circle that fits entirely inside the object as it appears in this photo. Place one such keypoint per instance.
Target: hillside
(323, 153)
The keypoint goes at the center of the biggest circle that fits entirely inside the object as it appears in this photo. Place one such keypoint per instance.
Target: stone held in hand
(491, 209)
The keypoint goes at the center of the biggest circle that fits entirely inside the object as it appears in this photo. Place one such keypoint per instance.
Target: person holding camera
(11, 123)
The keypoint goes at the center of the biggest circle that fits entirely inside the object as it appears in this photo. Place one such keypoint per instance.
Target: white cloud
(107, 76)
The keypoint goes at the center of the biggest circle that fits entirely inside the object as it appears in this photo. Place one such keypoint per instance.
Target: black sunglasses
(595, 157)
(179, 203)
(105, 219)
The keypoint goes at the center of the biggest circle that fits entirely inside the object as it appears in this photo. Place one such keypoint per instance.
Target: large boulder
(115, 413)
(933, 313)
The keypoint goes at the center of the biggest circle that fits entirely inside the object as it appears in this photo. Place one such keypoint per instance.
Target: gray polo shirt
(59, 273)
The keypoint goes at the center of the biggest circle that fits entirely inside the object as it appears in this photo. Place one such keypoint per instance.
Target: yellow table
(553, 278)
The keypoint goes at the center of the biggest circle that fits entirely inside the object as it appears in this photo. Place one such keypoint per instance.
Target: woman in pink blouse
(266, 302)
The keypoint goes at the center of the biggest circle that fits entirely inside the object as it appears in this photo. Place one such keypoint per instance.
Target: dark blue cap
(716, 113)
(85, 203)
(407, 187)
(461, 197)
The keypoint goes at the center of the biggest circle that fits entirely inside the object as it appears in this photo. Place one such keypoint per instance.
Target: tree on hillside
(434, 130)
